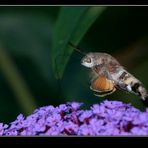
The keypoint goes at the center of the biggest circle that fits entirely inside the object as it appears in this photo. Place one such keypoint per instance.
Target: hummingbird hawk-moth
(108, 75)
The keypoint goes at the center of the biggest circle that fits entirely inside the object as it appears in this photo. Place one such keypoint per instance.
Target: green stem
(16, 82)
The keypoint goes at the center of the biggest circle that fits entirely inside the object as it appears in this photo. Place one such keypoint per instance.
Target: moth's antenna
(76, 48)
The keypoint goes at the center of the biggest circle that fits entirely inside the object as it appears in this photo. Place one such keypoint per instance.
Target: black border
(74, 2)
(75, 141)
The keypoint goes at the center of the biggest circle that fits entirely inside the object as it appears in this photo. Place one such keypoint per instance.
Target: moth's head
(90, 60)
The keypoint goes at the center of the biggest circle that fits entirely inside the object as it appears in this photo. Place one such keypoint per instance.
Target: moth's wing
(102, 84)
(103, 94)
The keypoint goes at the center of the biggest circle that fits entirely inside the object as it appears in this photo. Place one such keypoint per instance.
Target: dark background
(25, 62)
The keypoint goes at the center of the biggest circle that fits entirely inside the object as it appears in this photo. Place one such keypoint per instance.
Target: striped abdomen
(126, 81)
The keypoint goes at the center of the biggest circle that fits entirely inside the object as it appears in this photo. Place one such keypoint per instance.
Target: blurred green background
(29, 45)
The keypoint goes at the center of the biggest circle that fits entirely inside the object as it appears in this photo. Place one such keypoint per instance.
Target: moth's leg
(100, 70)
(93, 75)
(96, 69)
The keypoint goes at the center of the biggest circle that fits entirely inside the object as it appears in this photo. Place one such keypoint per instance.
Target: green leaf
(72, 24)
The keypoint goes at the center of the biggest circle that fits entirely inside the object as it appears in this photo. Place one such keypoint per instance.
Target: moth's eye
(88, 60)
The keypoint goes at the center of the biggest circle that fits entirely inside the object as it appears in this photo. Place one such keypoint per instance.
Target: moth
(108, 75)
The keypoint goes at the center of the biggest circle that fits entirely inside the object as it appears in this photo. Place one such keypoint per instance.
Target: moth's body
(108, 75)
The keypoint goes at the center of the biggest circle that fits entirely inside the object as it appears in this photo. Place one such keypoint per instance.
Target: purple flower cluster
(107, 118)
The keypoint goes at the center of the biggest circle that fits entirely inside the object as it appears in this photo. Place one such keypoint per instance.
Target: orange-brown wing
(102, 84)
